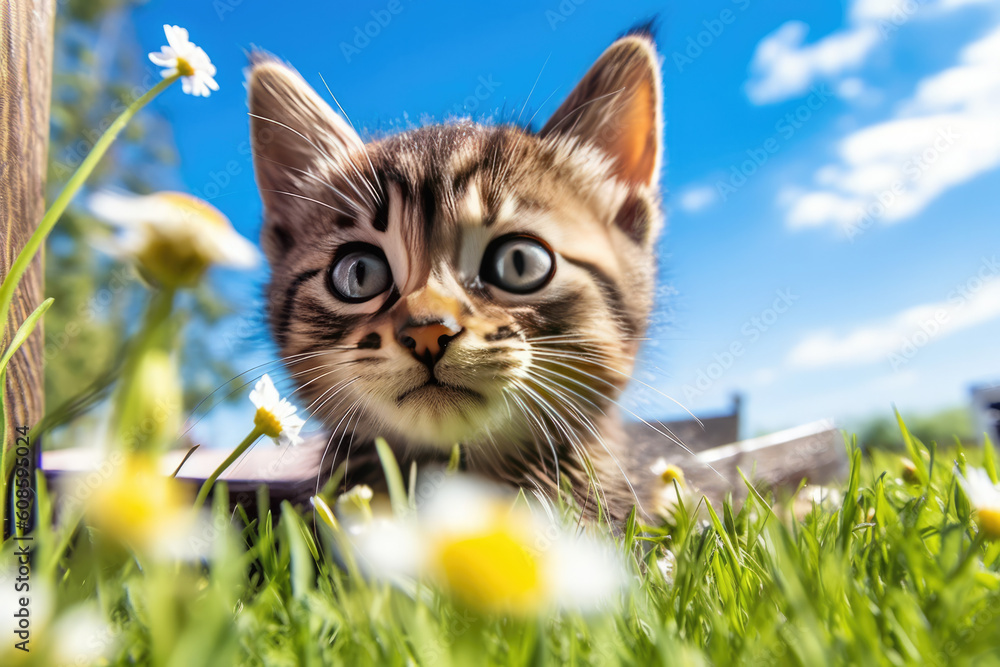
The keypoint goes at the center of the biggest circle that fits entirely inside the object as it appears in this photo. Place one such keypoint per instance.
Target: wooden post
(26, 34)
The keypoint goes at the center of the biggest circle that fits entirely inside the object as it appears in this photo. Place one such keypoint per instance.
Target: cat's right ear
(293, 132)
(616, 107)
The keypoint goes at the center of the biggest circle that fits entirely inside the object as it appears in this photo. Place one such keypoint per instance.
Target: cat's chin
(438, 415)
(436, 393)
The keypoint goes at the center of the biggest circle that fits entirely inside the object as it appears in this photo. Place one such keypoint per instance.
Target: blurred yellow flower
(492, 554)
(669, 495)
(492, 568)
(172, 237)
(667, 472)
(984, 496)
(138, 505)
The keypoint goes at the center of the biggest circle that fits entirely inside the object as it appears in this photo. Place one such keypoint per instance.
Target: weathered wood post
(26, 34)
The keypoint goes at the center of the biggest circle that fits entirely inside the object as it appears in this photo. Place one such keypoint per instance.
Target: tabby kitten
(463, 283)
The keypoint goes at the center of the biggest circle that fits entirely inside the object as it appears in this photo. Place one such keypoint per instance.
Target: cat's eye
(360, 272)
(518, 263)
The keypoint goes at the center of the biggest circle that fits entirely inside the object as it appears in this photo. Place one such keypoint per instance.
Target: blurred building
(705, 432)
(986, 407)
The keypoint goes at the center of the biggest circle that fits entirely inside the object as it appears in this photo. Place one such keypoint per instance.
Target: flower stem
(236, 453)
(151, 335)
(75, 182)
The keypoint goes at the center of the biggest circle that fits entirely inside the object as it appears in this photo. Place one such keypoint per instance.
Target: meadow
(891, 569)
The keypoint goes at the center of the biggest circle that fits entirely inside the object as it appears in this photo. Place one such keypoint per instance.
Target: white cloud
(697, 198)
(783, 66)
(909, 330)
(944, 135)
(851, 88)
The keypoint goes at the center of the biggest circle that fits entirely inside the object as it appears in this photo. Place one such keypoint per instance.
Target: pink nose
(427, 342)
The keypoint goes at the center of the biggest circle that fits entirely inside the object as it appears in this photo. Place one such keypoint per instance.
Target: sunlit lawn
(892, 572)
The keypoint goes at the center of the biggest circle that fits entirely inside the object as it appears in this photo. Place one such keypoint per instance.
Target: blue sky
(786, 123)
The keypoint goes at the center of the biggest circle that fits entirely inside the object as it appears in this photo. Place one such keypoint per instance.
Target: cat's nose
(427, 341)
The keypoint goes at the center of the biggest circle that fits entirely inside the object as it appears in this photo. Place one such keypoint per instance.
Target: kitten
(463, 283)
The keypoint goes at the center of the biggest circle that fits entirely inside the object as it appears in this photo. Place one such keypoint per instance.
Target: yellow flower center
(493, 570)
(267, 423)
(989, 522)
(184, 67)
(171, 260)
(670, 474)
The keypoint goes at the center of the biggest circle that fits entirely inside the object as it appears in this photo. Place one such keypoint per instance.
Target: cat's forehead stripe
(281, 322)
(380, 220)
(610, 292)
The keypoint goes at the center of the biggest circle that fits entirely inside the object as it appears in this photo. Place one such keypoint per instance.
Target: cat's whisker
(583, 338)
(361, 410)
(309, 199)
(521, 135)
(193, 424)
(225, 384)
(538, 434)
(591, 427)
(327, 395)
(548, 438)
(330, 159)
(347, 415)
(668, 434)
(324, 182)
(587, 423)
(334, 366)
(533, 86)
(326, 449)
(576, 369)
(573, 439)
(364, 148)
(569, 354)
(352, 411)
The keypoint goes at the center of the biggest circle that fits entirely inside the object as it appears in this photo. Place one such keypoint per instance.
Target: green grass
(892, 574)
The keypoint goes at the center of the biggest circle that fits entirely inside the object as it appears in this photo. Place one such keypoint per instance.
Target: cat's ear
(617, 107)
(292, 130)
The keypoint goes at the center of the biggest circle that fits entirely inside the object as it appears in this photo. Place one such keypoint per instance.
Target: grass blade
(989, 458)
(393, 477)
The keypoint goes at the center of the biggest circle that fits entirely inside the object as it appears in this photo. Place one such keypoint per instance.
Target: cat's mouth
(437, 386)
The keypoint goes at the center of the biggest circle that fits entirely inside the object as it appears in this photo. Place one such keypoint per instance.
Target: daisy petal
(183, 56)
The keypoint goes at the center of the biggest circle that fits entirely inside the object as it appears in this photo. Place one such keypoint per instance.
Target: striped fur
(530, 386)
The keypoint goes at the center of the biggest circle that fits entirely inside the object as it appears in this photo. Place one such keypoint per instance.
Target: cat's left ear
(617, 108)
(294, 133)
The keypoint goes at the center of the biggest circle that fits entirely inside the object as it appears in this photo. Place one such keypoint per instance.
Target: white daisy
(984, 496)
(667, 472)
(669, 496)
(275, 416)
(172, 236)
(493, 554)
(190, 61)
